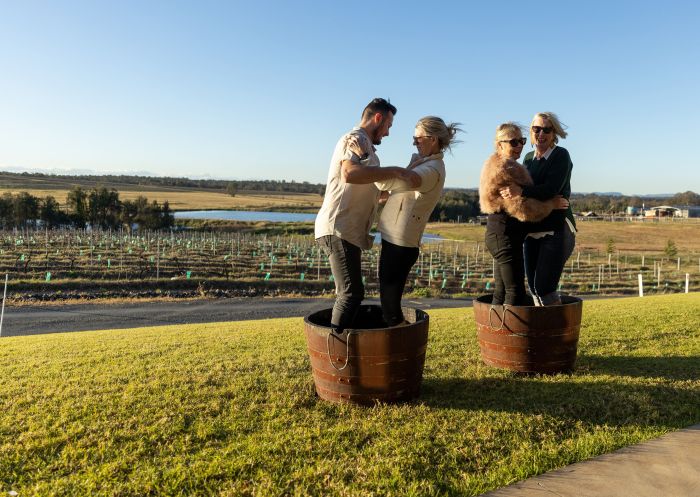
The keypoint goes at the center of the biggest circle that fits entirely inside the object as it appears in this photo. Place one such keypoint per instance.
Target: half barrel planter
(529, 339)
(370, 363)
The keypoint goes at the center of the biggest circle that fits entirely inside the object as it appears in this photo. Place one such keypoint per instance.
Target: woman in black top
(548, 243)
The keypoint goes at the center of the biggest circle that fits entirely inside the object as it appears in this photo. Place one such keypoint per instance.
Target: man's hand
(511, 191)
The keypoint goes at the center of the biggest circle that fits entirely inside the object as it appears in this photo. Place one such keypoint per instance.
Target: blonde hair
(553, 119)
(445, 133)
(506, 131)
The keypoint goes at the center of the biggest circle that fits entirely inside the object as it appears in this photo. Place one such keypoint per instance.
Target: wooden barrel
(369, 363)
(529, 339)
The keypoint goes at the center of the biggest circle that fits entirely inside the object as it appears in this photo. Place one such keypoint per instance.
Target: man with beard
(351, 199)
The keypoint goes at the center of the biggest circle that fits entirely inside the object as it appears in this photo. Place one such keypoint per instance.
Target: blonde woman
(548, 243)
(505, 228)
(408, 209)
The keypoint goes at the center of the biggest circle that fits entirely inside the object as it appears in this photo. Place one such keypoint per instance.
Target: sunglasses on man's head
(546, 131)
(515, 141)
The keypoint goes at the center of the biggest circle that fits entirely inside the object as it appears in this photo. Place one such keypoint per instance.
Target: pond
(252, 216)
(276, 217)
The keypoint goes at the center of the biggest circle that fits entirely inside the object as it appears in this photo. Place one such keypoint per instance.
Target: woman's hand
(560, 202)
(511, 191)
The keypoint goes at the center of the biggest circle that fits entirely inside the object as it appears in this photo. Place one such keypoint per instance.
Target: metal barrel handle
(347, 351)
(506, 309)
(503, 320)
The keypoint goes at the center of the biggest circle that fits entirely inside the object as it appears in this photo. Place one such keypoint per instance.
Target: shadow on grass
(600, 401)
(670, 368)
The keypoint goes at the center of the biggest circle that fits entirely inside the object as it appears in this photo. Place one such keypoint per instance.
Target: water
(253, 216)
(276, 217)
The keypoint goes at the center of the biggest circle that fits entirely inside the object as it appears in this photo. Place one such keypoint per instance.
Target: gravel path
(28, 320)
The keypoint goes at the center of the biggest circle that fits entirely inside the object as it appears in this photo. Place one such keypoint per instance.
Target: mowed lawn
(230, 409)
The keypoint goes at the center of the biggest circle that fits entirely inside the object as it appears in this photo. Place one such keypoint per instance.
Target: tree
(7, 211)
(127, 214)
(232, 189)
(26, 208)
(168, 218)
(104, 208)
(50, 212)
(77, 206)
(670, 249)
(685, 198)
(610, 247)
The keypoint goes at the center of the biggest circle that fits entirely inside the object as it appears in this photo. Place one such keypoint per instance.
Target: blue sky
(263, 90)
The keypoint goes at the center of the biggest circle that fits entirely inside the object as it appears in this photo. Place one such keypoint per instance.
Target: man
(346, 216)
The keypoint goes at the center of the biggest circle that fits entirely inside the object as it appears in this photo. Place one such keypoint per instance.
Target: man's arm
(429, 178)
(361, 175)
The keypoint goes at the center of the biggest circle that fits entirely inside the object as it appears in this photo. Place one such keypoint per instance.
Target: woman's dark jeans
(509, 270)
(395, 262)
(346, 266)
(544, 262)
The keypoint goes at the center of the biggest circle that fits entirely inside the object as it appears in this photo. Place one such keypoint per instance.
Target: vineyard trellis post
(4, 297)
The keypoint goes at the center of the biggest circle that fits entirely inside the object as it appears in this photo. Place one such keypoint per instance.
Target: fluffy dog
(499, 173)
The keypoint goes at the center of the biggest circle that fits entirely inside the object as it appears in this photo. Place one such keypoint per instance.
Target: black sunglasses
(546, 131)
(515, 141)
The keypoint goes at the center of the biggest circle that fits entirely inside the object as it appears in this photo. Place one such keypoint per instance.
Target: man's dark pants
(346, 266)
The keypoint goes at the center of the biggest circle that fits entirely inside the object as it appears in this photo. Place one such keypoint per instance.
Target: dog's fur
(499, 173)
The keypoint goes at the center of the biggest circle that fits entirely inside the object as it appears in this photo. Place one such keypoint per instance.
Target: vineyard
(53, 264)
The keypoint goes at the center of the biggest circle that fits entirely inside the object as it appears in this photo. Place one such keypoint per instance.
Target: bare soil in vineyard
(71, 265)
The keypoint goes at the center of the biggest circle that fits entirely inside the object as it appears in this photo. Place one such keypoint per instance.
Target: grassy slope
(229, 409)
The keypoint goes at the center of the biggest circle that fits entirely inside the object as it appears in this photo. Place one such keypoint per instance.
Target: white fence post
(4, 296)
(641, 285)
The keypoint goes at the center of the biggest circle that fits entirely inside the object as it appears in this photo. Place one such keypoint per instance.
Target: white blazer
(406, 212)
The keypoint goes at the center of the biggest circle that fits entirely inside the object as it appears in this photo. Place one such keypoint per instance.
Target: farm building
(662, 211)
(670, 211)
(690, 211)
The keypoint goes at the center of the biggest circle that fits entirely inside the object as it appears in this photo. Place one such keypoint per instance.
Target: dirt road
(28, 320)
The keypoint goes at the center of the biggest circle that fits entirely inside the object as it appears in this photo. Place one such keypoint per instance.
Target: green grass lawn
(230, 409)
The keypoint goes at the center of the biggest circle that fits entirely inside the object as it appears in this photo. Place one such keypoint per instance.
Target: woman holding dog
(507, 212)
(550, 241)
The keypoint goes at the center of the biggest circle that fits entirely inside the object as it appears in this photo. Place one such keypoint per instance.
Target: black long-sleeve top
(551, 177)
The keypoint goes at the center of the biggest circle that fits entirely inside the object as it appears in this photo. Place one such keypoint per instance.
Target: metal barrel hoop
(347, 351)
